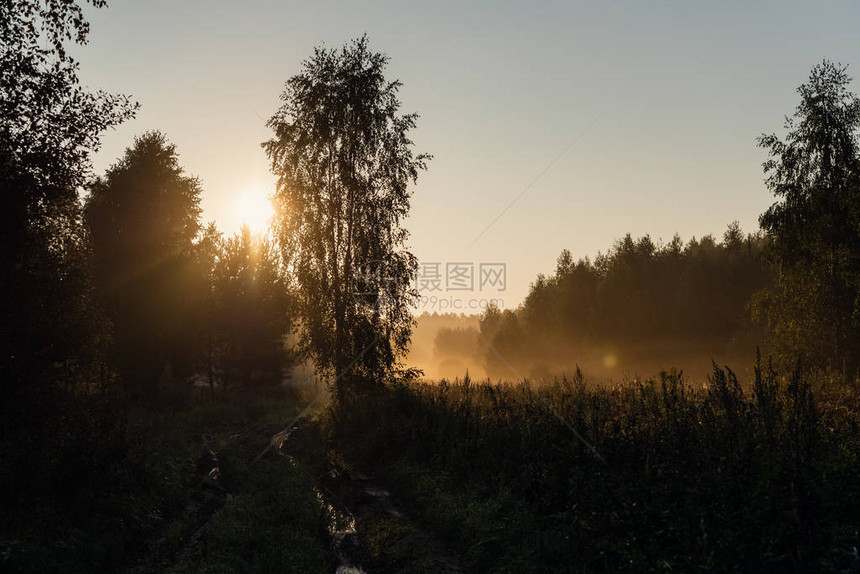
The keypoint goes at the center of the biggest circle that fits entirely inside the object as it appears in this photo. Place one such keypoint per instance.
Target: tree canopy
(639, 305)
(49, 127)
(814, 226)
(251, 310)
(143, 218)
(344, 162)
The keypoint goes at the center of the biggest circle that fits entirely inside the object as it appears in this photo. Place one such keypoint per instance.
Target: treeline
(638, 303)
(180, 299)
(445, 345)
(113, 283)
(117, 298)
(142, 306)
(793, 288)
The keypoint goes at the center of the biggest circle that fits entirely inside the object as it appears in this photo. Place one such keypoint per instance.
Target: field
(718, 477)
(651, 475)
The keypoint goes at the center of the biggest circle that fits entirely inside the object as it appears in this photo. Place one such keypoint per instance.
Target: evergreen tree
(143, 217)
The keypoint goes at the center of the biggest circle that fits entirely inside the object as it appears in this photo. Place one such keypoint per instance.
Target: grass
(716, 477)
(721, 477)
(109, 489)
(275, 524)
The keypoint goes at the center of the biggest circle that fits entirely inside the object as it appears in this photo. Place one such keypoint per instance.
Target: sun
(254, 209)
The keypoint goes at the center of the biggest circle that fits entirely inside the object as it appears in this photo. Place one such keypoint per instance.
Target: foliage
(814, 227)
(637, 300)
(107, 491)
(50, 346)
(251, 305)
(143, 217)
(276, 524)
(98, 484)
(718, 478)
(49, 126)
(344, 163)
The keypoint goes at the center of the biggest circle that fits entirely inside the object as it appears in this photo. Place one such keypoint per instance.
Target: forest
(178, 399)
(636, 309)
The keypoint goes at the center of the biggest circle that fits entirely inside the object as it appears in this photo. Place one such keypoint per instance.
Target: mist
(639, 308)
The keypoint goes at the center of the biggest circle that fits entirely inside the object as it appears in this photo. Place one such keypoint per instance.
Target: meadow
(655, 475)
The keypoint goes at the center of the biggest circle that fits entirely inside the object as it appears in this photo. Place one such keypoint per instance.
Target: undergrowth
(717, 477)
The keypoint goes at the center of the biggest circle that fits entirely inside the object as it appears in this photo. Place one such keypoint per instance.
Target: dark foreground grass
(274, 523)
(100, 488)
(713, 479)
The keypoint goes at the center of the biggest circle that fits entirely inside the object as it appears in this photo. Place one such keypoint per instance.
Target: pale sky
(675, 94)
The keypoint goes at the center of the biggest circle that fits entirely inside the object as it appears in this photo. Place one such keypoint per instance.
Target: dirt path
(370, 527)
(207, 493)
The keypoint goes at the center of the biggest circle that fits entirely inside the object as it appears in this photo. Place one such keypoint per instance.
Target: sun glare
(255, 209)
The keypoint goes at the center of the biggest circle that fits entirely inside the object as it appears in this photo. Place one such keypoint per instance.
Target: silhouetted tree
(143, 217)
(49, 126)
(814, 227)
(49, 327)
(251, 310)
(344, 163)
(208, 252)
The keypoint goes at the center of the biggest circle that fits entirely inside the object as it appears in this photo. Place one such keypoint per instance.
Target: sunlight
(254, 208)
(610, 361)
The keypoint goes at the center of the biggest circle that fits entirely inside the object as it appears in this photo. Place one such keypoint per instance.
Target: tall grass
(714, 477)
(97, 486)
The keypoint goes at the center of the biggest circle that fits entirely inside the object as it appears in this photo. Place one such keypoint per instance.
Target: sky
(553, 125)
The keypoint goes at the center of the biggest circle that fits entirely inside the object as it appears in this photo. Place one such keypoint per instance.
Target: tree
(143, 217)
(344, 163)
(49, 126)
(208, 251)
(642, 300)
(814, 227)
(251, 309)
